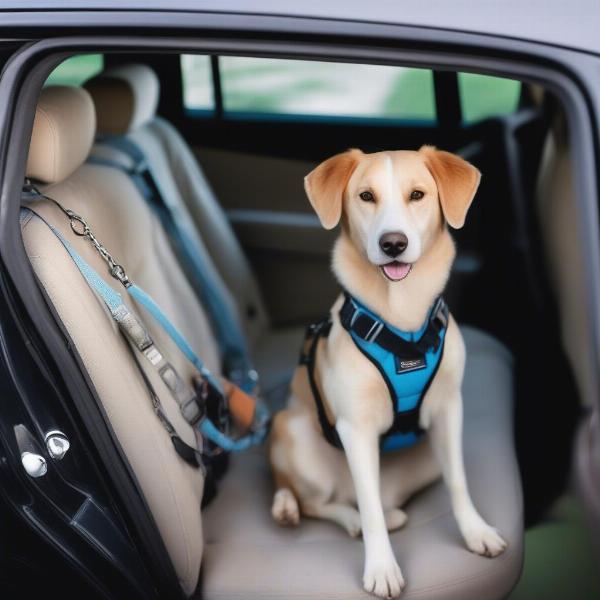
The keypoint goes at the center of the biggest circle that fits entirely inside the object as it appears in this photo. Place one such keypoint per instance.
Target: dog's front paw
(383, 578)
(395, 519)
(285, 509)
(484, 540)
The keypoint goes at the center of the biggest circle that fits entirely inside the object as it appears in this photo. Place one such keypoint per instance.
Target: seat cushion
(248, 556)
(276, 356)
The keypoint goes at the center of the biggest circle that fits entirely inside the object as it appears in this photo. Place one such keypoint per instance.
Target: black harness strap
(308, 358)
(373, 330)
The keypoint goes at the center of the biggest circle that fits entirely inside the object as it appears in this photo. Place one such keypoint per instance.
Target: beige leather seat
(63, 133)
(247, 556)
(243, 553)
(126, 98)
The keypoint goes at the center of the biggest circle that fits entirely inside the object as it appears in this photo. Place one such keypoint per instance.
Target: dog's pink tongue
(396, 270)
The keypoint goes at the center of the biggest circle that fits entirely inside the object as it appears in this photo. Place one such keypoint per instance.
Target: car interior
(229, 140)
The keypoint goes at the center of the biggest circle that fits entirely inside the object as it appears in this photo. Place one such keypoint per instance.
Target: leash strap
(135, 332)
(210, 387)
(225, 324)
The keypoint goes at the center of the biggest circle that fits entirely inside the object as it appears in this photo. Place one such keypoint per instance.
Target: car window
(76, 70)
(483, 96)
(198, 92)
(311, 88)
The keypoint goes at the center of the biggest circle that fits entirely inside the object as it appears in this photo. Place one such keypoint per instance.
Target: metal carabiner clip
(118, 272)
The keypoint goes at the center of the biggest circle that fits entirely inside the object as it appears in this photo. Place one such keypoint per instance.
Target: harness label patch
(404, 365)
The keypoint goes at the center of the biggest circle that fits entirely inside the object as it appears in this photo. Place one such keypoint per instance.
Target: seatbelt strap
(132, 327)
(237, 364)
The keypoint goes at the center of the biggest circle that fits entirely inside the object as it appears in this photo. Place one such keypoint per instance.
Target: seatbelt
(192, 403)
(237, 364)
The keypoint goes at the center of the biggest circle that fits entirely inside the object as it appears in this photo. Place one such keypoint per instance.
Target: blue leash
(114, 303)
(238, 365)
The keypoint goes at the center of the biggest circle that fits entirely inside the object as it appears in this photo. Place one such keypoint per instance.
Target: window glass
(321, 88)
(76, 70)
(197, 82)
(296, 87)
(483, 96)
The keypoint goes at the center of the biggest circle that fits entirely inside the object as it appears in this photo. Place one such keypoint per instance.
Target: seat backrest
(63, 134)
(555, 196)
(126, 98)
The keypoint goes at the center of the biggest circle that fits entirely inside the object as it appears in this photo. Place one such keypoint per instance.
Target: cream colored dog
(412, 195)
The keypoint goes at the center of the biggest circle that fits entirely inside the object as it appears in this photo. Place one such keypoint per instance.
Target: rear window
(293, 87)
(198, 91)
(76, 70)
(483, 96)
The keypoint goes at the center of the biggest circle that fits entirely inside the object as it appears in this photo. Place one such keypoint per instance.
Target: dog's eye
(416, 195)
(367, 197)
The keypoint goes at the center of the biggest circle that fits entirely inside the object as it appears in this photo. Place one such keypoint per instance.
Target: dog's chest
(368, 384)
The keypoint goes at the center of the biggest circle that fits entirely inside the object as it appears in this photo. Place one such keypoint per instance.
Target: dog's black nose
(393, 243)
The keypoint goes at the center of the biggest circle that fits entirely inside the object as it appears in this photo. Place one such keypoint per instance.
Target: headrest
(126, 98)
(63, 133)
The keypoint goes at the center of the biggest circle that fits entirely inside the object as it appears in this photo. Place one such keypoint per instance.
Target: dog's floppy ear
(457, 181)
(325, 186)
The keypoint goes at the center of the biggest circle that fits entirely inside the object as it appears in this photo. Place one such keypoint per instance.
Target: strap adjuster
(374, 331)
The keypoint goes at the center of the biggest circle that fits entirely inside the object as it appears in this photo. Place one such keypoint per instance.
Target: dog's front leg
(446, 437)
(382, 575)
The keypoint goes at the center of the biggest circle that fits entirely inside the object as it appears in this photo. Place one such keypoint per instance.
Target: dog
(394, 256)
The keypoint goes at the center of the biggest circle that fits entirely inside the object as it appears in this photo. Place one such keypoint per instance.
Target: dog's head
(394, 205)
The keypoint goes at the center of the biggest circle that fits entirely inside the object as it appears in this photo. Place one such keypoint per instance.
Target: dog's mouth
(395, 270)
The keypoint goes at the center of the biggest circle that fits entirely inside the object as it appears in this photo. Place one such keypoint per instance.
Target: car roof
(572, 24)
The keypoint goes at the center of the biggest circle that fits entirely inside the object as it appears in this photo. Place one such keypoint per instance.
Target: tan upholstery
(122, 221)
(185, 186)
(248, 557)
(555, 204)
(63, 133)
(126, 98)
(275, 356)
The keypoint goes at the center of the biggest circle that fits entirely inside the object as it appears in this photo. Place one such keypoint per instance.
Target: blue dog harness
(407, 361)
